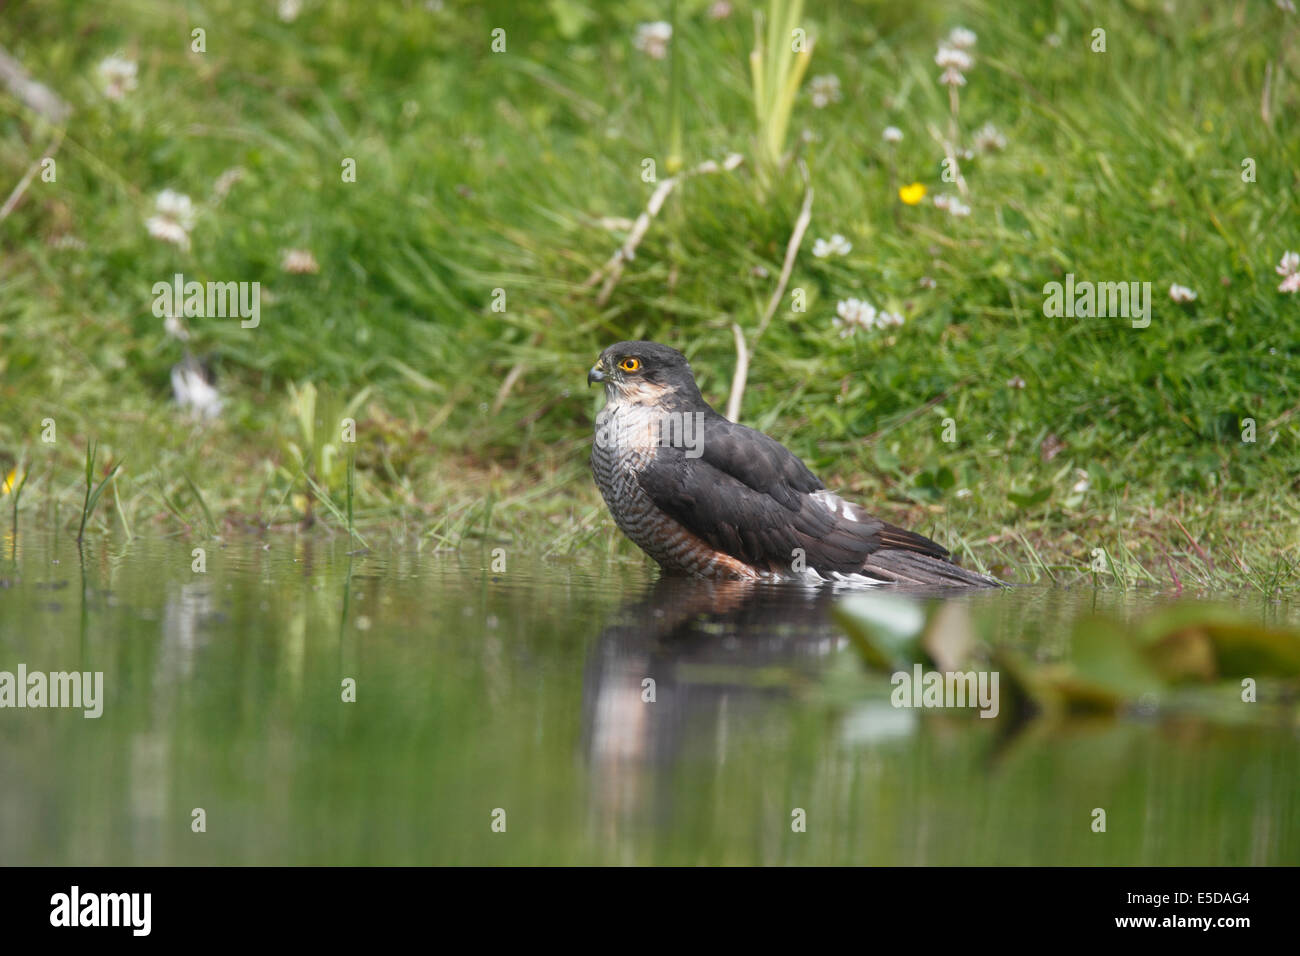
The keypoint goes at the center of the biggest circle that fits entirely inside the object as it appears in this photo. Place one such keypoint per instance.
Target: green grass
(479, 171)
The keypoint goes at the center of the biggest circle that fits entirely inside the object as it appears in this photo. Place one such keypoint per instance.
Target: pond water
(504, 718)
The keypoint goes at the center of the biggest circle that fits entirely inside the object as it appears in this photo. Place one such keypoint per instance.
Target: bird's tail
(912, 567)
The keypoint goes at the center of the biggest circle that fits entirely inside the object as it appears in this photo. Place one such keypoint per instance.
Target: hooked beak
(595, 375)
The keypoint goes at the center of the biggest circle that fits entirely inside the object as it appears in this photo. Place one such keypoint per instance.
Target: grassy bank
(1046, 447)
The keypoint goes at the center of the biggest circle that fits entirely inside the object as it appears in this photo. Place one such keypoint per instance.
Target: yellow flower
(912, 194)
(10, 482)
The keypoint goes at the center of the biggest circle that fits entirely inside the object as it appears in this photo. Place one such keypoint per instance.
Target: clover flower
(299, 262)
(652, 39)
(173, 220)
(825, 90)
(1180, 293)
(892, 134)
(961, 38)
(836, 245)
(988, 139)
(1289, 269)
(118, 74)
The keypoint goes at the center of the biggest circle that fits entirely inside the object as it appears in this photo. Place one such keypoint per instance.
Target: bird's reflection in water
(680, 666)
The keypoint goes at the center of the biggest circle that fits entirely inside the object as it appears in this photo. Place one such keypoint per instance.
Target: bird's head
(644, 373)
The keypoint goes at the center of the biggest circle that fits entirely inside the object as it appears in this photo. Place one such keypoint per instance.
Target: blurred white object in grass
(1289, 269)
(299, 262)
(118, 75)
(989, 139)
(836, 245)
(1180, 293)
(892, 134)
(961, 38)
(174, 218)
(194, 387)
(652, 39)
(825, 90)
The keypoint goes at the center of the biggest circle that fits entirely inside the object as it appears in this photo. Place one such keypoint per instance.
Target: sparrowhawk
(710, 498)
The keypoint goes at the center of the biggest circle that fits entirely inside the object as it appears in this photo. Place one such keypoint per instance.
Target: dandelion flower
(117, 73)
(299, 262)
(652, 39)
(825, 90)
(1180, 293)
(173, 220)
(892, 134)
(912, 194)
(836, 245)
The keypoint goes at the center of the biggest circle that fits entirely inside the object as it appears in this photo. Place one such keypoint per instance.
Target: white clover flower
(892, 134)
(952, 58)
(174, 219)
(288, 10)
(886, 319)
(1180, 293)
(719, 10)
(299, 262)
(836, 245)
(825, 90)
(652, 39)
(958, 208)
(988, 139)
(961, 38)
(942, 201)
(1289, 269)
(952, 77)
(854, 314)
(925, 282)
(118, 74)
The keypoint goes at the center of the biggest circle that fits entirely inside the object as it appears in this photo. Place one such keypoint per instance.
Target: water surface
(520, 698)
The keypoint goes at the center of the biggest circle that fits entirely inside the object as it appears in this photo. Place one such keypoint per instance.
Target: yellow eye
(629, 364)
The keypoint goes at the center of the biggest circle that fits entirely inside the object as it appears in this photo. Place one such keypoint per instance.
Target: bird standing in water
(709, 498)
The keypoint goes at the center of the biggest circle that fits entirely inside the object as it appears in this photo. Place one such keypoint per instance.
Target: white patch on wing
(838, 506)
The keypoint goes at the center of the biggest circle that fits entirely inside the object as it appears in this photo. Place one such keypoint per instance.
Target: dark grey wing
(750, 497)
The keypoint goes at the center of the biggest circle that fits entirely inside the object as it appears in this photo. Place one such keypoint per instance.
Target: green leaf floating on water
(885, 628)
(1109, 665)
(1203, 641)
